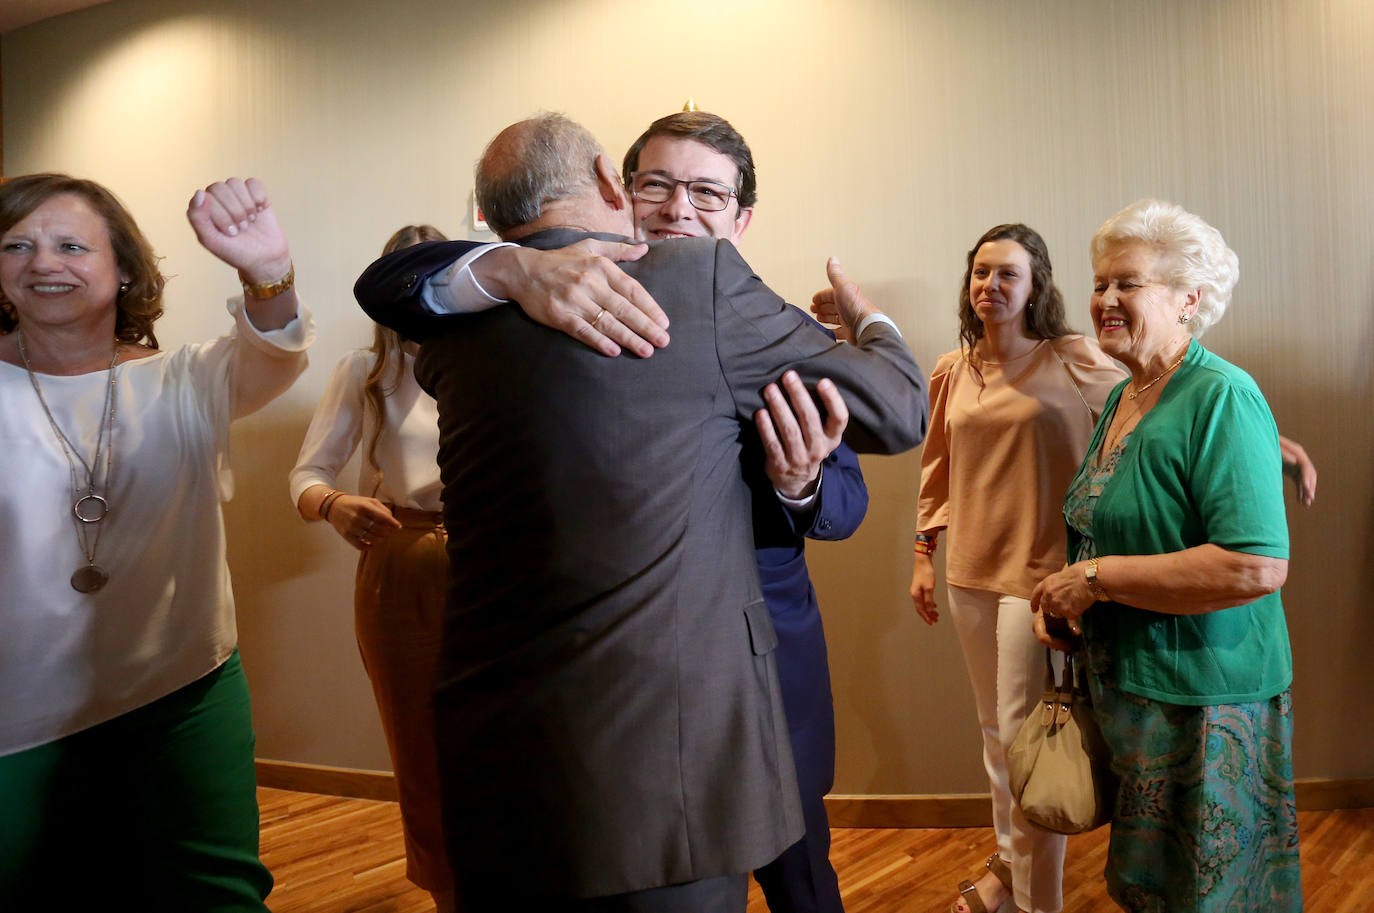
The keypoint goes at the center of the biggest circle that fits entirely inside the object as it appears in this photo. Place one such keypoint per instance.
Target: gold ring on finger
(597, 319)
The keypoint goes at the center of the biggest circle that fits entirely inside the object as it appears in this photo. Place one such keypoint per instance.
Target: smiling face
(57, 266)
(688, 160)
(1000, 283)
(1134, 310)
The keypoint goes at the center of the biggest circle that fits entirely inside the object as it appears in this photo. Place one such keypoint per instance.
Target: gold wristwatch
(1090, 574)
(266, 291)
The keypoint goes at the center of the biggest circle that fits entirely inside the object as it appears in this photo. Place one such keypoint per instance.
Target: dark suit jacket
(803, 668)
(608, 708)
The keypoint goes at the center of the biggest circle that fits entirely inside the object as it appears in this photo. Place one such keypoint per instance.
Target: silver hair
(1197, 253)
(546, 158)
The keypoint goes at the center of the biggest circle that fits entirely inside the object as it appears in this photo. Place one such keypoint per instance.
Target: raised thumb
(834, 271)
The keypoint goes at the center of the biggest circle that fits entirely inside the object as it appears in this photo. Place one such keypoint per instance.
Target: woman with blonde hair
(394, 521)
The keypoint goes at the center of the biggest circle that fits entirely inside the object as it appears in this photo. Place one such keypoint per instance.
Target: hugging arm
(578, 290)
(759, 337)
(391, 290)
(1298, 466)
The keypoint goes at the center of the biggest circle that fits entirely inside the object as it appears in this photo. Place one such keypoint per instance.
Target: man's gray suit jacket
(607, 707)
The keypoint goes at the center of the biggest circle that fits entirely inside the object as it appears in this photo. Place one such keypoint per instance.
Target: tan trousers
(398, 611)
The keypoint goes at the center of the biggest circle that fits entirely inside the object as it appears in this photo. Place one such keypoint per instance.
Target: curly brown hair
(1044, 314)
(139, 302)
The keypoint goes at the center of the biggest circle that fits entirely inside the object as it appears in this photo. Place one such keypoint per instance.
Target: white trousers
(1006, 665)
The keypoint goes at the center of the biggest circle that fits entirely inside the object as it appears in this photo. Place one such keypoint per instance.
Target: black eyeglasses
(652, 187)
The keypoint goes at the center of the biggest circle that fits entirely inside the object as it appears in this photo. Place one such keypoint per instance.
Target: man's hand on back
(579, 290)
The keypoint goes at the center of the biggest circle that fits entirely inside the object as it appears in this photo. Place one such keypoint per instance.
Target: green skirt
(1205, 819)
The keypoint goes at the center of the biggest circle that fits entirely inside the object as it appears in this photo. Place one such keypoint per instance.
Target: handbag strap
(1067, 680)
(1057, 704)
(1067, 692)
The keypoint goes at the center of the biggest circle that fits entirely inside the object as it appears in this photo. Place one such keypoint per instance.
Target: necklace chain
(1132, 394)
(1122, 423)
(1008, 361)
(88, 509)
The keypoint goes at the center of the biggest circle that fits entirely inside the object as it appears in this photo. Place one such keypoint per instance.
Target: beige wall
(890, 133)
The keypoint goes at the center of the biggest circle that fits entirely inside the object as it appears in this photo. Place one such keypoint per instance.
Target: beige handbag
(1058, 766)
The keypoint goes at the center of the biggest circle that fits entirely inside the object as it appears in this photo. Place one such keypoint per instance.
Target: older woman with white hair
(1178, 544)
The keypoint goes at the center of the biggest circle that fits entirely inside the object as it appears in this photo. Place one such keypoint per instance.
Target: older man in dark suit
(612, 736)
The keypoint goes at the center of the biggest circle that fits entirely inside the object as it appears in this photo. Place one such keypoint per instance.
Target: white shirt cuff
(872, 319)
(295, 337)
(797, 505)
(455, 290)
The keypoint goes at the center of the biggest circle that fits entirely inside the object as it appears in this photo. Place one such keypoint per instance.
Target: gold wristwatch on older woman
(1090, 574)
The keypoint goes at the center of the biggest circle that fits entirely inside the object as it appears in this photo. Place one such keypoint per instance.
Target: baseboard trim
(975, 809)
(331, 781)
(954, 810)
(1323, 794)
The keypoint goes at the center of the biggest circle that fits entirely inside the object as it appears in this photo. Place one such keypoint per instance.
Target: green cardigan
(1202, 466)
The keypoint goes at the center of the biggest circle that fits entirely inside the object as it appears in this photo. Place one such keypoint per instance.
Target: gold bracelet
(269, 290)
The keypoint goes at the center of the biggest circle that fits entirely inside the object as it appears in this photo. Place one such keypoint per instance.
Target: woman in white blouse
(126, 740)
(394, 521)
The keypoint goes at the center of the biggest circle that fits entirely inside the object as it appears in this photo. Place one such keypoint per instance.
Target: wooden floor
(332, 855)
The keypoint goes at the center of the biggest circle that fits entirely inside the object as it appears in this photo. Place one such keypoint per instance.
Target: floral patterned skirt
(1205, 820)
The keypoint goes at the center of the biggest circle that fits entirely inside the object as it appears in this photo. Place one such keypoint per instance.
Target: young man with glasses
(692, 175)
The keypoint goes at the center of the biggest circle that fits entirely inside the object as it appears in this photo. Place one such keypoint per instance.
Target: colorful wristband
(328, 502)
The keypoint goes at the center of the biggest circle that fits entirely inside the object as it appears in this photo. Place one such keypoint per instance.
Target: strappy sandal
(968, 891)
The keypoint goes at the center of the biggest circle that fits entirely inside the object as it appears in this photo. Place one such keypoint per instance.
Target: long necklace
(1132, 394)
(89, 508)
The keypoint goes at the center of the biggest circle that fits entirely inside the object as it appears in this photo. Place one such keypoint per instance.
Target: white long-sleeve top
(70, 660)
(406, 451)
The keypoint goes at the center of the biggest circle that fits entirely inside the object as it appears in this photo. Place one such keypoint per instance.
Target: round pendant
(90, 509)
(89, 578)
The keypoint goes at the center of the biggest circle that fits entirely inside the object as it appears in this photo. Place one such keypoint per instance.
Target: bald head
(544, 171)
